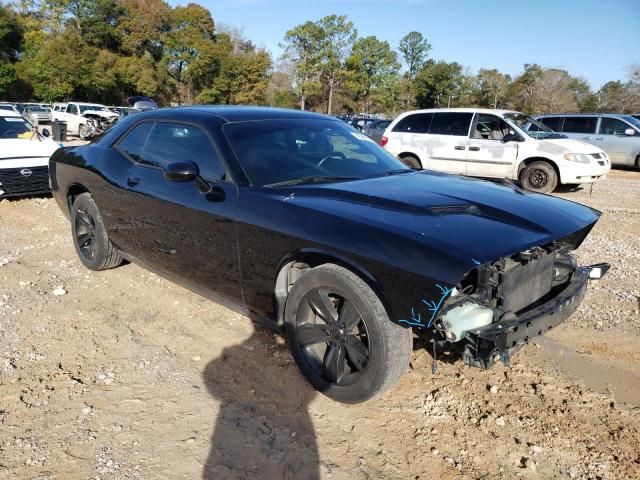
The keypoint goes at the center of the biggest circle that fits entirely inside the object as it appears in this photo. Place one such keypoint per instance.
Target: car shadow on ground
(263, 428)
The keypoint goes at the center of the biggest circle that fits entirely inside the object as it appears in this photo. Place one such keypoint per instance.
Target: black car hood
(467, 218)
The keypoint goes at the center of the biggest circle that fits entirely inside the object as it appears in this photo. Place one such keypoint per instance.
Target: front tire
(410, 161)
(539, 177)
(90, 238)
(341, 337)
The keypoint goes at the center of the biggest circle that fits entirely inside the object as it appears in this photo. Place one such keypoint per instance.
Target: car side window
(490, 127)
(580, 124)
(134, 141)
(175, 142)
(72, 109)
(416, 123)
(554, 123)
(451, 123)
(612, 126)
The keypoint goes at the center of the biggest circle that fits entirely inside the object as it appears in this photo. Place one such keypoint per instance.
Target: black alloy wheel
(333, 336)
(341, 337)
(538, 178)
(85, 233)
(90, 239)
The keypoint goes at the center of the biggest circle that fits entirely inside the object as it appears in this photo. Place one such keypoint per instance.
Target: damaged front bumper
(500, 340)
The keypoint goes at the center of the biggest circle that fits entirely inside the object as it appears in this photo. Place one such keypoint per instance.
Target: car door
(487, 154)
(172, 226)
(612, 139)
(72, 117)
(447, 141)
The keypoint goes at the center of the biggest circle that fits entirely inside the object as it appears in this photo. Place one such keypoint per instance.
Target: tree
(191, 50)
(10, 43)
(144, 27)
(585, 98)
(491, 88)
(337, 38)
(522, 90)
(415, 49)
(302, 50)
(373, 66)
(611, 97)
(439, 84)
(552, 92)
(243, 74)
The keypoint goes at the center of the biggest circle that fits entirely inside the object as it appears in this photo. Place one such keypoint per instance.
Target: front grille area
(523, 284)
(13, 181)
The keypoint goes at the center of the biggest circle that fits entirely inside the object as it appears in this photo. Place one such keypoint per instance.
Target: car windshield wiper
(399, 171)
(311, 179)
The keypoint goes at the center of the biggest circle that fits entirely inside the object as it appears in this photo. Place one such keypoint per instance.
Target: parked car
(375, 129)
(293, 217)
(124, 111)
(8, 107)
(37, 114)
(617, 135)
(493, 144)
(142, 103)
(636, 116)
(77, 115)
(24, 156)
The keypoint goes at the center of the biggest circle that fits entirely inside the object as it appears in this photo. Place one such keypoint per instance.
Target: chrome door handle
(474, 149)
(599, 138)
(459, 147)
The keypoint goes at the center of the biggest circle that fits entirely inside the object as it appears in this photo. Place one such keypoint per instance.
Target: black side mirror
(45, 133)
(511, 137)
(186, 172)
(181, 171)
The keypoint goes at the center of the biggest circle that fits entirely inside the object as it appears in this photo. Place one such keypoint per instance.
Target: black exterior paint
(409, 236)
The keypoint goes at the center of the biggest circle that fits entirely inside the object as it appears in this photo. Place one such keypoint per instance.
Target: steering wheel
(339, 155)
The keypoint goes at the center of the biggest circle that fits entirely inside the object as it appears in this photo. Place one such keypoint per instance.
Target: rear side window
(451, 123)
(612, 126)
(134, 141)
(416, 123)
(554, 123)
(580, 124)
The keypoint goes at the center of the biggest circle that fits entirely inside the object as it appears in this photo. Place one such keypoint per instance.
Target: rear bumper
(502, 339)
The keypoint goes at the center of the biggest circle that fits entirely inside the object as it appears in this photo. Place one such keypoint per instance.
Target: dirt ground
(124, 375)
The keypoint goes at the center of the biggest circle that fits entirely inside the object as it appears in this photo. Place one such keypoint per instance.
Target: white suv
(493, 144)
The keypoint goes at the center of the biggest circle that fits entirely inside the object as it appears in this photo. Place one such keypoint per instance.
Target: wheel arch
(528, 161)
(411, 154)
(74, 190)
(295, 264)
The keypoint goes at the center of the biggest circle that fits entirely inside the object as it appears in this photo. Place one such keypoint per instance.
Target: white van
(493, 144)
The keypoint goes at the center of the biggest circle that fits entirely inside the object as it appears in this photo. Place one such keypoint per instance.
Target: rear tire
(539, 177)
(90, 238)
(341, 337)
(410, 161)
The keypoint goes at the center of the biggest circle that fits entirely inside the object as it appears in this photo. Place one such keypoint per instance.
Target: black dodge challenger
(300, 219)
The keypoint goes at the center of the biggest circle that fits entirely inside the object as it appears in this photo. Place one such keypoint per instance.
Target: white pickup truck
(75, 114)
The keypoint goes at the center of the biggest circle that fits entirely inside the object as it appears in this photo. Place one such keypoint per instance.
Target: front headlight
(577, 157)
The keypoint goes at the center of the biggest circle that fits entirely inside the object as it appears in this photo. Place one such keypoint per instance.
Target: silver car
(617, 135)
(37, 114)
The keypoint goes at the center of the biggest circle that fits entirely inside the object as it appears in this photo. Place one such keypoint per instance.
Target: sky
(595, 39)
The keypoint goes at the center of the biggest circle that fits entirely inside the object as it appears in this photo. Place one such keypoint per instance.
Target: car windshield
(7, 107)
(38, 109)
(14, 127)
(273, 152)
(632, 120)
(99, 108)
(531, 126)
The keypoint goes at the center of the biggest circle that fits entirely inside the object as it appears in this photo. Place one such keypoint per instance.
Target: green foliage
(373, 69)
(438, 84)
(415, 50)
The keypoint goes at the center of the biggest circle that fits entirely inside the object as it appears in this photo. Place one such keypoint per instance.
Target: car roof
(491, 111)
(9, 113)
(237, 113)
(583, 115)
